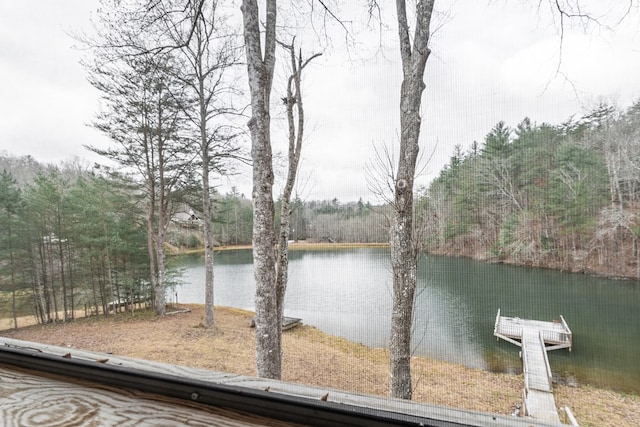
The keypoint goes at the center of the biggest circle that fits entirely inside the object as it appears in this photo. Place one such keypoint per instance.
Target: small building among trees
(190, 219)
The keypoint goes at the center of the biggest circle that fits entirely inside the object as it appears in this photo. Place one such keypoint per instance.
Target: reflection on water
(443, 327)
(348, 293)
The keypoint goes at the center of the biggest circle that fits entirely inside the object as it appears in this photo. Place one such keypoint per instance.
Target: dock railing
(553, 336)
(546, 360)
(506, 331)
(558, 338)
(525, 368)
(569, 333)
(556, 334)
(510, 330)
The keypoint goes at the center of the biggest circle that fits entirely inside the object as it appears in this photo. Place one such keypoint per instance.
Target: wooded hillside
(561, 196)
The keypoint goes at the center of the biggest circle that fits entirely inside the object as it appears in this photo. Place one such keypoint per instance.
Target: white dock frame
(535, 338)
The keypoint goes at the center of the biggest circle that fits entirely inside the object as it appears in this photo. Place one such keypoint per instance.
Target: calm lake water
(348, 293)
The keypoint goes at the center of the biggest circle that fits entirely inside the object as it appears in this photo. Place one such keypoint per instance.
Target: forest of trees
(69, 241)
(561, 196)
(75, 238)
(313, 221)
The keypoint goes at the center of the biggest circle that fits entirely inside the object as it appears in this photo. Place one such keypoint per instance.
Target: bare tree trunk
(71, 282)
(63, 282)
(403, 252)
(12, 269)
(109, 277)
(52, 275)
(151, 247)
(293, 99)
(149, 162)
(43, 280)
(160, 294)
(208, 232)
(209, 320)
(260, 74)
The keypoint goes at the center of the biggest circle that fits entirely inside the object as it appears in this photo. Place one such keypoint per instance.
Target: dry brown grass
(312, 357)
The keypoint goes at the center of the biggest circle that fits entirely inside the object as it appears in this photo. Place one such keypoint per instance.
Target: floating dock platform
(536, 338)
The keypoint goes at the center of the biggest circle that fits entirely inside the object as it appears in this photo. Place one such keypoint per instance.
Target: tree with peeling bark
(414, 53)
(260, 68)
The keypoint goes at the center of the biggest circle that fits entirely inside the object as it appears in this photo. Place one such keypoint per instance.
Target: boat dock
(287, 323)
(536, 338)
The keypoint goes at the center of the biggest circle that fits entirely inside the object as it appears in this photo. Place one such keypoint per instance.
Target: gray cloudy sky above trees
(491, 61)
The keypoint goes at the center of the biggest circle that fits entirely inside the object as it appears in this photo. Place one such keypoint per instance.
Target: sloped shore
(312, 357)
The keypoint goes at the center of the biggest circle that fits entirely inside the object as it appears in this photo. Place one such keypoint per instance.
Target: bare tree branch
(571, 11)
(380, 173)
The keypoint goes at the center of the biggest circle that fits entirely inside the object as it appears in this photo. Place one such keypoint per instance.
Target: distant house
(189, 219)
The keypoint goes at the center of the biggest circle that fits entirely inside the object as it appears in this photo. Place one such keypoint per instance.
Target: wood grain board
(33, 399)
(535, 362)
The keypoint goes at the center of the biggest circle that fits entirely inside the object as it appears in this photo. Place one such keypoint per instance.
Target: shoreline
(294, 246)
(315, 358)
(556, 265)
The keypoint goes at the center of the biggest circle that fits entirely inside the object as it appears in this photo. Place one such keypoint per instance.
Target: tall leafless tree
(414, 52)
(205, 49)
(295, 109)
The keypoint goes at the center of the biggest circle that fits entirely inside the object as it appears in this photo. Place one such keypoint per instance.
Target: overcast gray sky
(491, 61)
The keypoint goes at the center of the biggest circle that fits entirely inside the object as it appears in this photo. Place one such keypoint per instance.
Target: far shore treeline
(562, 196)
